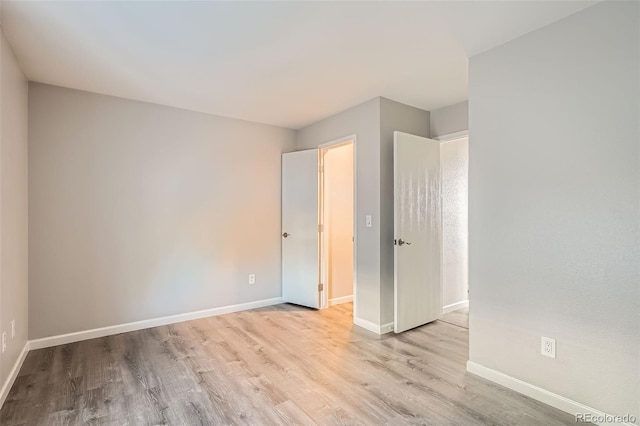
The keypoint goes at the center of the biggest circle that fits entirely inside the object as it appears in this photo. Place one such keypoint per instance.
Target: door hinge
(320, 227)
(320, 287)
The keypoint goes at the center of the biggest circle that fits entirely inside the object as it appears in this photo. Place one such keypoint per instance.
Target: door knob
(401, 242)
(285, 235)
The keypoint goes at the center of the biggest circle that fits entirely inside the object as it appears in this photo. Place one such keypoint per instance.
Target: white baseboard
(139, 325)
(455, 306)
(367, 325)
(340, 300)
(386, 328)
(373, 327)
(560, 402)
(13, 374)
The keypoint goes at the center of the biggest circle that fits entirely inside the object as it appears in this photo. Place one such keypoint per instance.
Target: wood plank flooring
(459, 318)
(282, 364)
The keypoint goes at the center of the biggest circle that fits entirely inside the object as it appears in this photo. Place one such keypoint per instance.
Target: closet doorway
(337, 207)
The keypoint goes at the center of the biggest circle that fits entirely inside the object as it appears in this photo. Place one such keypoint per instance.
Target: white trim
(560, 402)
(337, 142)
(367, 325)
(373, 327)
(386, 328)
(451, 136)
(455, 306)
(139, 325)
(340, 300)
(355, 225)
(13, 374)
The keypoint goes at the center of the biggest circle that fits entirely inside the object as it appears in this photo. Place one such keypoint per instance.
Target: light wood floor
(459, 318)
(278, 365)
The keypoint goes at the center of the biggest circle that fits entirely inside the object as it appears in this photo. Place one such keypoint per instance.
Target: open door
(417, 231)
(300, 236)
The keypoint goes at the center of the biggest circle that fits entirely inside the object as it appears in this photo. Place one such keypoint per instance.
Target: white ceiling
(283, 63)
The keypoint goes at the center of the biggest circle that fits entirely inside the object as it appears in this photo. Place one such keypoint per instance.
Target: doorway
(454, 156)
(319, 226)
(337, 208)
(431, 230)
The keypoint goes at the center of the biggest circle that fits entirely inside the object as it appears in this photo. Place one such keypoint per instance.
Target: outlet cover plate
(548, 347)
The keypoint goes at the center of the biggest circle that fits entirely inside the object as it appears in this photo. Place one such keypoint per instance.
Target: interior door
(300, 237)
(417, 231)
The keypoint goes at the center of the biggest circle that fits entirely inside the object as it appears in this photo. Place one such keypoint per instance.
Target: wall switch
(4, 341)
(368, 222)
(13, 329)
(548, 347)
(252, 278)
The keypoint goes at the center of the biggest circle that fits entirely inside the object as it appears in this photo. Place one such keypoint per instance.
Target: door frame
(452, 136)
(324, 297)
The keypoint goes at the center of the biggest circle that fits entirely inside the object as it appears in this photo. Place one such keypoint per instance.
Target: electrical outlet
(252, 278)
(4, 341)
(13, 329)
(548, 347)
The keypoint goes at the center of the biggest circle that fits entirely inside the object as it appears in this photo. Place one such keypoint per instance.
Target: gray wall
(13, 206)
(450, 119)
(140, 211)
(364, 121)
(555, 208)
(393, 116)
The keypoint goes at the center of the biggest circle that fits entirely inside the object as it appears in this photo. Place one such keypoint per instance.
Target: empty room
(310, 212)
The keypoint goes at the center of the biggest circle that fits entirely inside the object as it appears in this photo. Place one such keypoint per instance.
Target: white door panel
(300, 239)
(417, 230)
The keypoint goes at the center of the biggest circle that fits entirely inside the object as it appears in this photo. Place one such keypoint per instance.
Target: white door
(300, 238)
(417, 231)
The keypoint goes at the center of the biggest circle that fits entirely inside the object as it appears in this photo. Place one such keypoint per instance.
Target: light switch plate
(368, 221)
